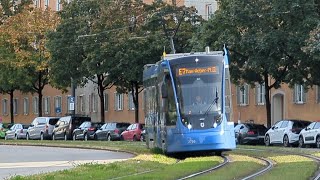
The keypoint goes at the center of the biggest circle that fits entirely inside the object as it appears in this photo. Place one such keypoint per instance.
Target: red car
(133, 132)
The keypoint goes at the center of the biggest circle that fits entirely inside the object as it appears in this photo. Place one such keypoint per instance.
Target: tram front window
(199, 94)
(199, 97)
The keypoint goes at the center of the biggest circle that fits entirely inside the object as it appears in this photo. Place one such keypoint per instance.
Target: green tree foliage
(27, 43)
(9, 74)
(151, 28)
(265, 39)
(134, 46)
(86, 42)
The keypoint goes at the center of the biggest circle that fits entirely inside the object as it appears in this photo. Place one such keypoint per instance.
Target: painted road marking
(54, 163)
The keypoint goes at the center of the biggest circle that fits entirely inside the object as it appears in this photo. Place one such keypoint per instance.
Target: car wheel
(240, 140)
(65, 137)
(135, 138)
(286, 141)
(41, 136)
(74, 137)
(301, 143)
(27, 136)
(318, 141)
(85, 137)
(109, 137)
(267, 140)
(95, 137)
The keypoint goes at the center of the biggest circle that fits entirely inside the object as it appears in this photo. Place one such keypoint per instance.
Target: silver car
(17, 131)
(41, 128)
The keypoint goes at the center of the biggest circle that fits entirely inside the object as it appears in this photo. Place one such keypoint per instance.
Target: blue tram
(187, 103)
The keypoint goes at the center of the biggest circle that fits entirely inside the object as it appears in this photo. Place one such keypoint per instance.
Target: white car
(285, 132)
(310, 135)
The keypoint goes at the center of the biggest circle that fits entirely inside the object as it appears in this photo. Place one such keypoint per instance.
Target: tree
(86, 44)
(9, 74)
(176, 23)
(265, 40)
(27, 41)
(143, 42)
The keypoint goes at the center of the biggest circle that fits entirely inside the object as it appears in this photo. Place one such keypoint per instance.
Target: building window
(118, 102)
(260, 94)
(35, 102)
(318, 94)
(81, 103)
(243, 95)
(209, 11)
(299, 94)
(46, 3)
(46, 105)
(106, 102)
(15, 106)
(68, 104)
(58, 5)
(5, 107)
(57, 104)
(36, 3)
(93, 102)
(130, 102)
(25, 106)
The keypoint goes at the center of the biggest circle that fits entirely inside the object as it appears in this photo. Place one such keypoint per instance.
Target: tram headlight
(215, 124)
(189, 126)
(217, 120)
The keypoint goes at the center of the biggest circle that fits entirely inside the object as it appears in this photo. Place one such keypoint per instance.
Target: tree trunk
(40, 87)
(11, 106)
(136, 102)
(101, 97)
(267, 98)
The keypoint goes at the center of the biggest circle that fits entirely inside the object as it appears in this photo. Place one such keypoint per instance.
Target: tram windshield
(198, 88)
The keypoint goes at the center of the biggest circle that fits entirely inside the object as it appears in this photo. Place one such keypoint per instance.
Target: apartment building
(248, 102)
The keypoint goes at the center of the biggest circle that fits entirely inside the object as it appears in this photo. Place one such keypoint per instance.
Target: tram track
(268, 167)
(226, 160)
(314, 158)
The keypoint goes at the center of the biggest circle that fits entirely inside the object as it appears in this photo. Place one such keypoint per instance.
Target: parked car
(285, 132)
(3, 129)
(310, 135)
(249, 133)
(17, 131)
(133, 132)
(65, 126)
(143, 135)
(86, 130)
(111, 131)
(41, 128)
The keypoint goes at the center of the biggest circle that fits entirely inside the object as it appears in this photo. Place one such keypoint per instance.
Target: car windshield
(79, 120)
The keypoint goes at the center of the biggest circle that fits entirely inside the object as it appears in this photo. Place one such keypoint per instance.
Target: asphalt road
(27, 160)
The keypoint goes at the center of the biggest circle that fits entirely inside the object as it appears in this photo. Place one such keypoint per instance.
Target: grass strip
(286, 166)
(141, 167)
(239, 166)
(136, 147)
(291, 167)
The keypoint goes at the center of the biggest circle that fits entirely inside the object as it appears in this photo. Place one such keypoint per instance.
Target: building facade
(248, 102)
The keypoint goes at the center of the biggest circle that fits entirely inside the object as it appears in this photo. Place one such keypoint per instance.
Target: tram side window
(171, 116)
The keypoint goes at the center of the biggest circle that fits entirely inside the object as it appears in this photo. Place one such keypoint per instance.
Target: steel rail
(226, 160)
(269, 166)
(315, 158)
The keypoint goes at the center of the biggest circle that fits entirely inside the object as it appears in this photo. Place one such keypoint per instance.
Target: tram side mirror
(164, 91)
